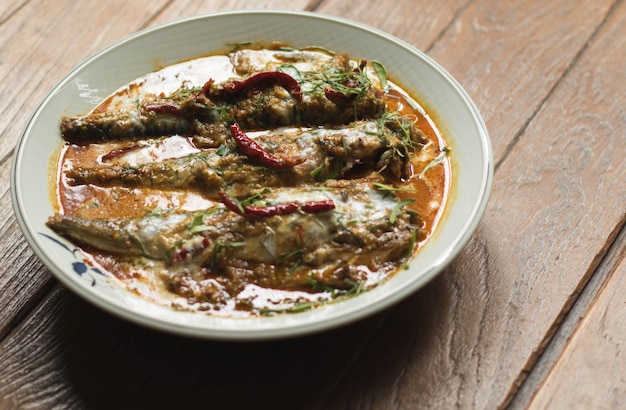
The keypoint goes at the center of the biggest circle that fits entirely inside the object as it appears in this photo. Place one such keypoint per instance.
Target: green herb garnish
(219, 251)
(336, 296)
(223, 150)
(438, 159)
(381, 72)
(389, 188)
(396, 209)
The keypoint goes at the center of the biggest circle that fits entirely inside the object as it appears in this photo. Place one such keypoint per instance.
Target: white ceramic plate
(102, 74)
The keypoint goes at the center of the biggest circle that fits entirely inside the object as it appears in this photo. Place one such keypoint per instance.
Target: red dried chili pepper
(337, 96)
(206, 88)
(362, 65)
(117, 152)
(263, 79)
(311, 207)
(316, 207)
(270, 210)
(334, 95)
(255, 152)
(231, 204)
(182, 253)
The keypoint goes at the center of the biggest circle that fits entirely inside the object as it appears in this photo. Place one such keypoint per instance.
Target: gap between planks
(539, 363)
(40, 296)
(13, 11)
(313, 5)
(447, 28)
(323, 401)
(155, 16)
(33, 305)
(566, 324)
(556, 84)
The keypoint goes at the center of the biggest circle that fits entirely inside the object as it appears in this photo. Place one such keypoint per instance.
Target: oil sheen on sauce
(427, 185)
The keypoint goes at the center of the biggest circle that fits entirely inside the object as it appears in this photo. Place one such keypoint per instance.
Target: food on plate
(302, 157)
(262, 180)
(335, 93)
(300, 239)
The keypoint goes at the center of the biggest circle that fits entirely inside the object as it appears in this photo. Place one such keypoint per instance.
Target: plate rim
(300, 327)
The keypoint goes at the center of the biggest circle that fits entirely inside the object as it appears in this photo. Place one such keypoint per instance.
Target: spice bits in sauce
(254, 182)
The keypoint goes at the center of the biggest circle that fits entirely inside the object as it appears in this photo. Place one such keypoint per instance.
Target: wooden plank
(563, 335)
(52, 362)
(18, 375)
(45, 39)
(418, 24)
(48, 55)
(590, 371)
(22, 277)
(465, 339)
(186, 8)
(510, 55)
(9, 7)
(36, 54)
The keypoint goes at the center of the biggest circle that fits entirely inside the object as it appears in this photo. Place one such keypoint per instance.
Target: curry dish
(263, 180)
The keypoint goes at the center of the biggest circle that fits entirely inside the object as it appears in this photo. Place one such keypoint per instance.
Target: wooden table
(531, 314)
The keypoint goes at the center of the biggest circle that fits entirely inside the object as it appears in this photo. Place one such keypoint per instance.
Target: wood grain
(542, 236)
(186, 8)
(9, 7)
(23, 279)
(43, 40)
(33, 50)
(36, 54)
(590, 370)
(552, 89)
(52, 360)
(418, 23)
(509, 55)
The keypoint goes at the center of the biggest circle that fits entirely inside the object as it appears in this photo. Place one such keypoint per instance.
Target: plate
(32, 173)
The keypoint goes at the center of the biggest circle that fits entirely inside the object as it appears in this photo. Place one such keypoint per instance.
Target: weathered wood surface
(550, 82)
(585, 376)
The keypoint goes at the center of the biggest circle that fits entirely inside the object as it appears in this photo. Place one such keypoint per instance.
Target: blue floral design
(81, 267)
